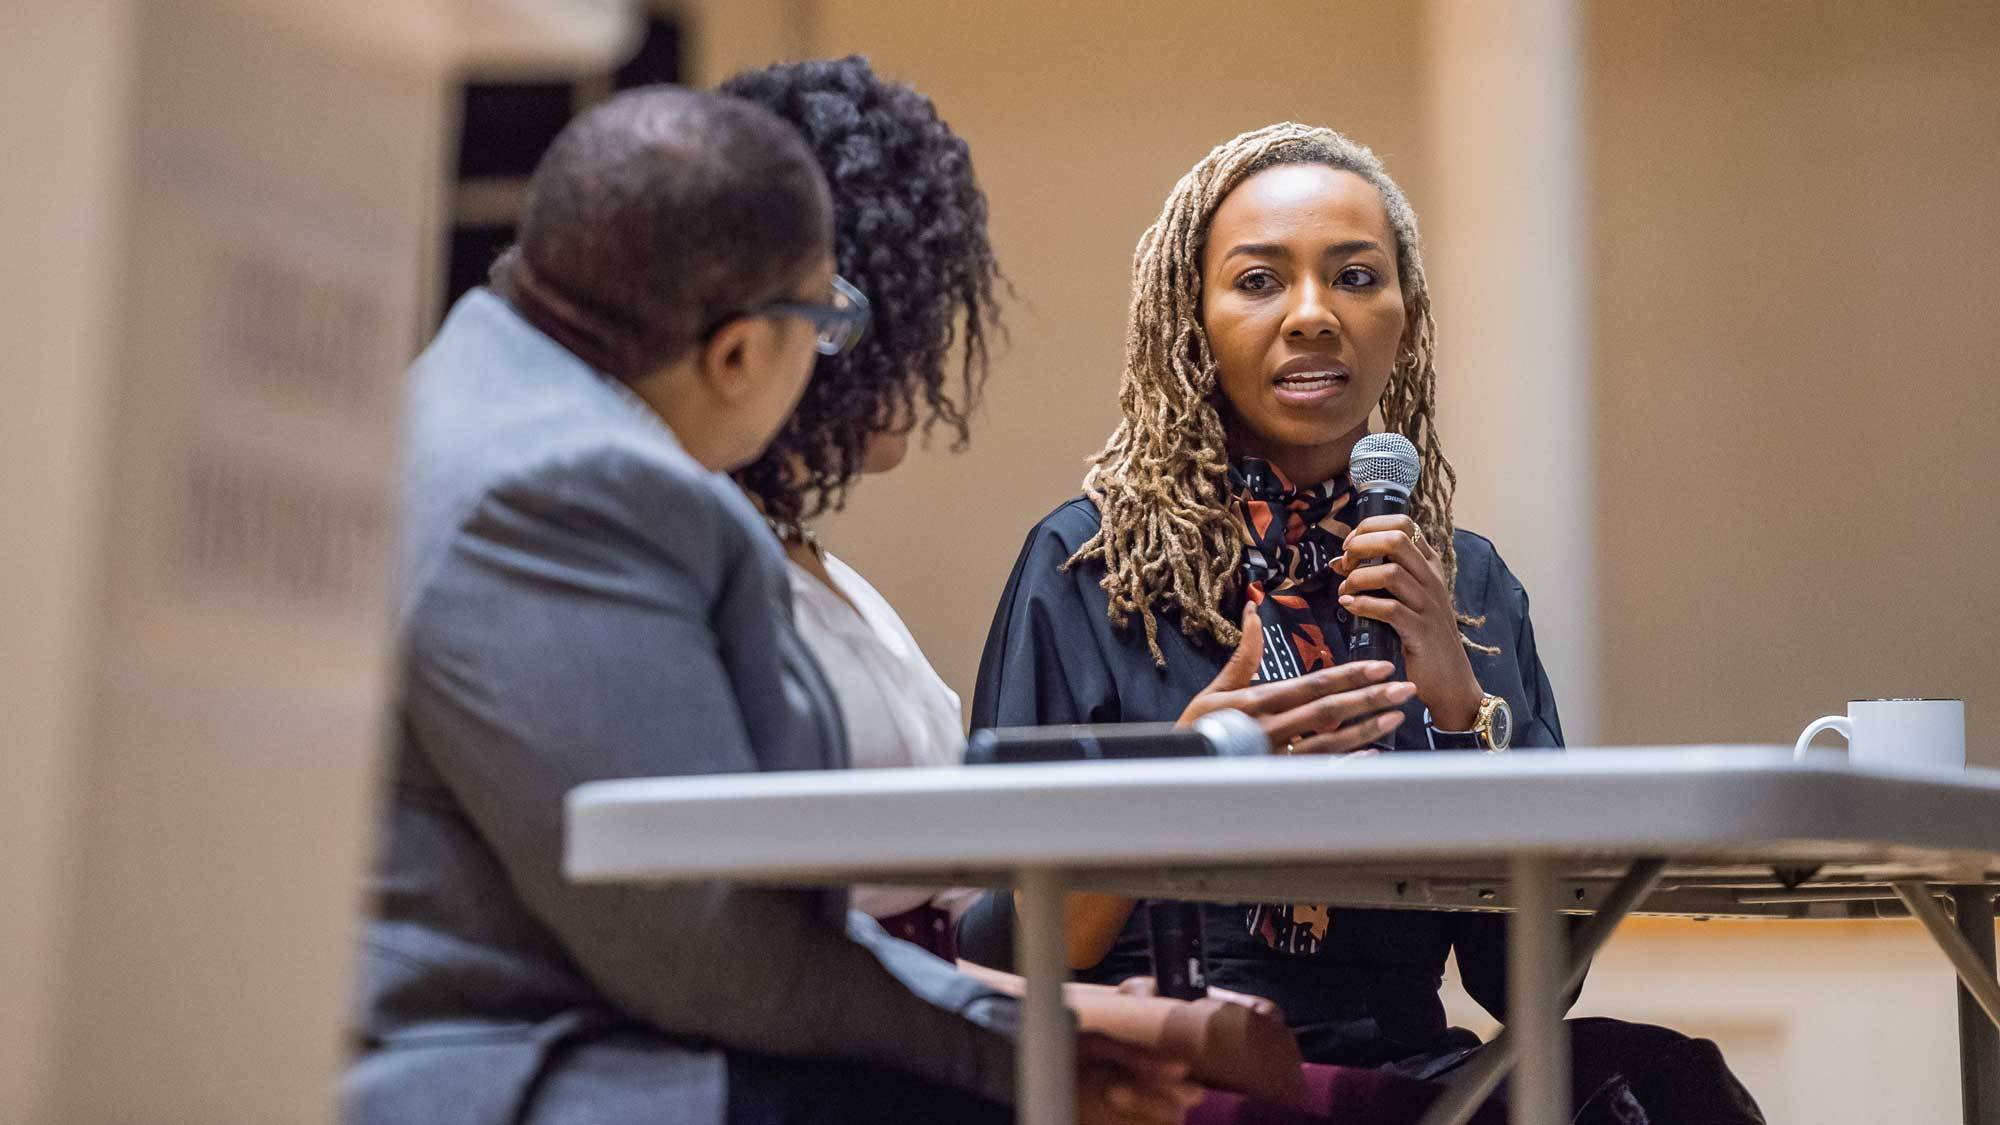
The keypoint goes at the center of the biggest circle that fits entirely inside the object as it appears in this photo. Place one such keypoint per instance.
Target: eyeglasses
(838, 324)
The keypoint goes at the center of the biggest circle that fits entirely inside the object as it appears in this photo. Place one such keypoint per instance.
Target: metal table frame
(1703, 832)
(1544, 966)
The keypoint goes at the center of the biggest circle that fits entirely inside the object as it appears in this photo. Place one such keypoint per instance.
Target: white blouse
(897, 710)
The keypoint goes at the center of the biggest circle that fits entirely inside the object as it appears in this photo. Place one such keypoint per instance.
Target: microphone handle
(1368, 639)
(1223, 734)
(1180, 966)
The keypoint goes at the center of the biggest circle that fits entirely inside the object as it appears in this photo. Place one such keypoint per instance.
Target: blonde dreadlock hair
(1167, 539)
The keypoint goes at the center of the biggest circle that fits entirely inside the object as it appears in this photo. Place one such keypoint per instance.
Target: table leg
(1472, 1084)
(1971, 954)
(1978, 1038)
(1045, 1090)
(1535, 974)
(1974, 976)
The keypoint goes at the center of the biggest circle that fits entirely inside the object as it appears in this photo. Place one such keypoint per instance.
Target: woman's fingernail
(1390, 721)
(1346, 599)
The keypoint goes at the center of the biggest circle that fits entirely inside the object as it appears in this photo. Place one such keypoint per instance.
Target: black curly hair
(910, 233)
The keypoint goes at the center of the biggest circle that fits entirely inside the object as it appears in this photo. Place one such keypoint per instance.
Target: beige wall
(1509, 273)
(725, 36)
(1798, 257)
(56, 297)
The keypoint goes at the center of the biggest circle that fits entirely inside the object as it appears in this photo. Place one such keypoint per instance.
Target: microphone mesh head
(1383, 461)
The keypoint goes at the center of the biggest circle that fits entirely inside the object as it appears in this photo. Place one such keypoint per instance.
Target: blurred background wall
(1796, 255)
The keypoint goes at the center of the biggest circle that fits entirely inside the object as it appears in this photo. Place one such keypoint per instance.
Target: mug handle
(1838, 723)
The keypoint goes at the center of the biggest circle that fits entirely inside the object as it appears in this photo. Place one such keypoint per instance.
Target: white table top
(1421, 829)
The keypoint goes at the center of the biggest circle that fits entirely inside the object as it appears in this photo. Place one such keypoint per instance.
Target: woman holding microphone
(1215, 559)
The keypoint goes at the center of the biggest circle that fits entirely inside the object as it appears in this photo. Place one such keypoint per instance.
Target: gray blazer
(582, 600)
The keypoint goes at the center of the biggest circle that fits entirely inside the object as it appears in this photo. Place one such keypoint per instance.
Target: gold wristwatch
(1495, 726)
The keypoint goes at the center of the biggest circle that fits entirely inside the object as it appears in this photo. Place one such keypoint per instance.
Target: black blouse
(1366, 991)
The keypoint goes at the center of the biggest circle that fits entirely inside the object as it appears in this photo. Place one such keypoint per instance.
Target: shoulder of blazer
(500, 414)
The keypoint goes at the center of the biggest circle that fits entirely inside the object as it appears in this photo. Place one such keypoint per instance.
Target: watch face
(1500, 724)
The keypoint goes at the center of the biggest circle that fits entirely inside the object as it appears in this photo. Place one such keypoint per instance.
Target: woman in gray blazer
(584, 597)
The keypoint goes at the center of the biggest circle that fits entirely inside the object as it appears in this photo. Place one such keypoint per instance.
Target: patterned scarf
(1291, 537)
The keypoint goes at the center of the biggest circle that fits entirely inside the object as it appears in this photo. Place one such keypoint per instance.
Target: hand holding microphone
(1393, 584)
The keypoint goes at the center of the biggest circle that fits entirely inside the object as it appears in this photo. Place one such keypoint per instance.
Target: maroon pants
(925, 926)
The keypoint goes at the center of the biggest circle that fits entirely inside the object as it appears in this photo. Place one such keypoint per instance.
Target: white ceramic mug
(1927, 733)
